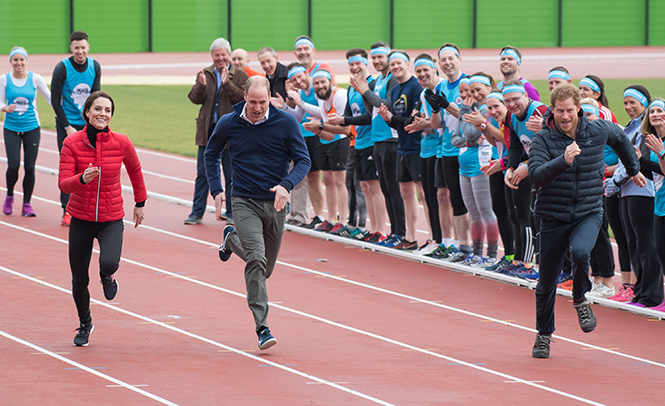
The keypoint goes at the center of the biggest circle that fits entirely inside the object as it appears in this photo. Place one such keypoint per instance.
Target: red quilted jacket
(101, 199)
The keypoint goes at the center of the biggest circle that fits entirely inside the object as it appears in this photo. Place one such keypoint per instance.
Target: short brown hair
(91, 99)
(257, 81)
(565, 92)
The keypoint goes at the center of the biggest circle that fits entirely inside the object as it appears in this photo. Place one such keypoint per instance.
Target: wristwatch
(321, 125)
(483, 126)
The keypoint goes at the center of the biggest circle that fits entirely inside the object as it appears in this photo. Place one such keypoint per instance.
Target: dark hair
(424, 56)
(91, 99)
(511, 82)
(602, 99)
(642, 90)
(408, 58)
(78, 36)
(647, 128)
(561, 68)
(293, 65)
(356, 51)
(492, 81)
(513, 48)
(303, 37)
(449, 44)
(379, 44)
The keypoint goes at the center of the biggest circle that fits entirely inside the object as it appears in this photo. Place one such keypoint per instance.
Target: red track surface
(361, 328)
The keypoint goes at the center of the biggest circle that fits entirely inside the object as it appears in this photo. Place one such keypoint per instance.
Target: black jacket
(277, 81)
(569, 192)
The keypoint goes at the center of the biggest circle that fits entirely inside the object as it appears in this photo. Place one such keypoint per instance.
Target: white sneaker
(428, 248)
(601, 290)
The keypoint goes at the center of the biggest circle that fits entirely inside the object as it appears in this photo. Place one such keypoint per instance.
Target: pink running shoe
(8, 206)
(625, 294)
(660, 307)
(27, 211)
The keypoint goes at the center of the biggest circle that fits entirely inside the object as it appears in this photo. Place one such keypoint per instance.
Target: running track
(362, 328)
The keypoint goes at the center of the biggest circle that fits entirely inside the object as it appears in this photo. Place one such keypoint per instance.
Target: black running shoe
(83, 334)
(266, 340)
(316, 221)
(224, 251)
(541, 349)
(110, 285)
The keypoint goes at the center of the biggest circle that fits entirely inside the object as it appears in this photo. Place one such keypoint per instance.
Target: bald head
(240, 59)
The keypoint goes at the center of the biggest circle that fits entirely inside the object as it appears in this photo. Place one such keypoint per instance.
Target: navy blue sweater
(404, 97)
(260, 154)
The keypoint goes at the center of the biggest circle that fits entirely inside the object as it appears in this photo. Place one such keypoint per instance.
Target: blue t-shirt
(659, 203)
(75, 90)
(451, 91)
(381, 131)
(357, 107)
(430, 143)
(24, 118)
(404, 97)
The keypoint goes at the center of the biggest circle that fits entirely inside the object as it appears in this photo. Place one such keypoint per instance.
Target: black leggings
(13, 140)
(638, 224)
(427, 171)
(450, 167)
(613, 214)
(81, 237)
(520, 214)
(500, 208)
(385, 158)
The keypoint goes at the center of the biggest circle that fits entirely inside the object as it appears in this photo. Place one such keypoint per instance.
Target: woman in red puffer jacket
(90, 164)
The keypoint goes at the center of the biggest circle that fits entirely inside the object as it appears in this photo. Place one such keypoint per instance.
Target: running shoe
(406, 245)
(387, 240)
(660, 307)
(83, 335)
(360, 235)
(191, 220)
(325, 227)
(316, 221)
(472, 260)
(336, 228)
(533, 275)
(375, 238)
(396, 240)
(110, 286)
(439, 250)
(446, 254)
(224, 251)
(601, 290)
(266, 340)
(427, 248)
(625, 294)
(345, 231)
(66, 219)
(490, 262)
(27, 211)
(459, 256)
(585, 316)
(498, 265)
(541, 349)
(8, 206)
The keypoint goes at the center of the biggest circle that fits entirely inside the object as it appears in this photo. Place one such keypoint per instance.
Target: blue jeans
(556, 237)
(201, 189)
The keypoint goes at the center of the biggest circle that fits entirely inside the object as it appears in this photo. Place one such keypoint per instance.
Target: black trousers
(81, 237)
(62, 134)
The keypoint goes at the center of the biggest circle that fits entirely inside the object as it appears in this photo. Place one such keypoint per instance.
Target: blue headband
(637, 95)
(423, 61)
(358, 58)
(379, 51)
(18, 51)
(590, 108)
(658, 103)
(512, 54)
(465, 79)
(590, 84)
(513, 89)
(321, 72)
(399, 55)
(449, 49)
(495, 95)
(304, 41)
(480, 79)
(295, 70)
(558, 74)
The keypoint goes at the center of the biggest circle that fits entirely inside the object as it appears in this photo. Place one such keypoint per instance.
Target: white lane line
(362, 332)
(206, 340)
(117, 382)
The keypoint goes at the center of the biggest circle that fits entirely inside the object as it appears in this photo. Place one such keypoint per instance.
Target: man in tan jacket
(217, 88)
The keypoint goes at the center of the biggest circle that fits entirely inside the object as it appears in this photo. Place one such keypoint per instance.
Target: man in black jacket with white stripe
(566, 166)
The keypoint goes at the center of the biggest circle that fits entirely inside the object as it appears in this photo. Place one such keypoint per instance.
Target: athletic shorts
(363, 162)
(314, 149)
(333, 155)
(408, 168)
(439, 179)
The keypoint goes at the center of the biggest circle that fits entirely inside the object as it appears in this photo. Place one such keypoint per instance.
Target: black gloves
(436, 100)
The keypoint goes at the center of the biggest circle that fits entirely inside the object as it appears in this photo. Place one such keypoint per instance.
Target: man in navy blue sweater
(262, 141)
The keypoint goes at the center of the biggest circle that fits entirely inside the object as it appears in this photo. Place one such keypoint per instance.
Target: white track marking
(197, 337)
(117, 382)
(366, 333)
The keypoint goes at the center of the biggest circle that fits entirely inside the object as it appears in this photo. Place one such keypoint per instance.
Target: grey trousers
(256, 240)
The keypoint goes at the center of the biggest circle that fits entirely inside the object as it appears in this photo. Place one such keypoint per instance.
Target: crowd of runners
(419, 131)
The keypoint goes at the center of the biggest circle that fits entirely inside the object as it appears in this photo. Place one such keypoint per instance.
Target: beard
(324, 94)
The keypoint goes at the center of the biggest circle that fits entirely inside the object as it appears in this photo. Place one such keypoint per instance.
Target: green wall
(43, 26)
